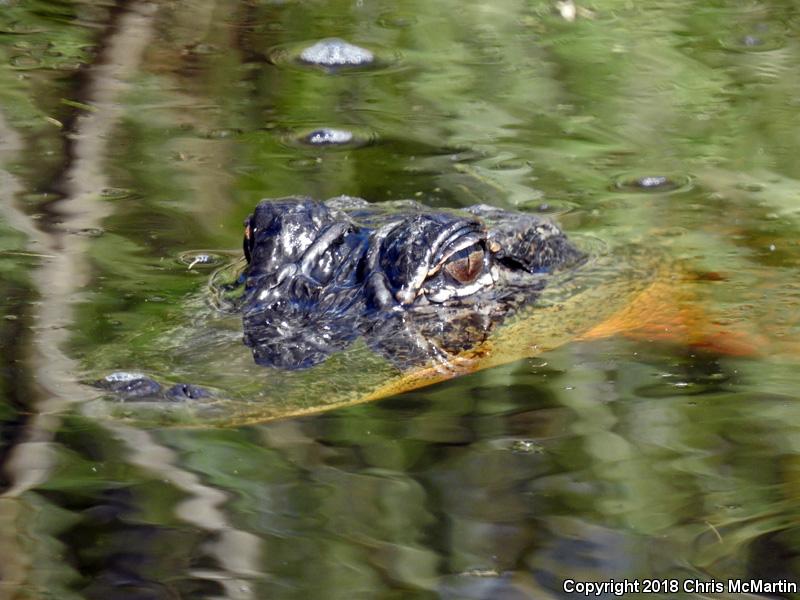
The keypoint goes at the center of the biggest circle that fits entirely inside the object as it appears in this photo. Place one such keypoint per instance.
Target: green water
(135, 136)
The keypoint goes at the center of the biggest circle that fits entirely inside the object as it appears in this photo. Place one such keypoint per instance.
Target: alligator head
(416, 283)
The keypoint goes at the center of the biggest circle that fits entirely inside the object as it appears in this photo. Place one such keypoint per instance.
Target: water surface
(135, 137)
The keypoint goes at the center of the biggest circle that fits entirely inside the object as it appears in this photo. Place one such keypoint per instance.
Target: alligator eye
(465, 265)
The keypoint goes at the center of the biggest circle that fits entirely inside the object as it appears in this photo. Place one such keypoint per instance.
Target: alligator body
(344, 302)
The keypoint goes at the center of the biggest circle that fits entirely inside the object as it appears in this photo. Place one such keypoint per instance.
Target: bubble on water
(651, 183)
(331, 55)
(330, 137)
(759, 38)
(466, 155)
(547, 207)
(324, 137)
(334, 52)
(201, 259)
(751, 40)
(526, 447)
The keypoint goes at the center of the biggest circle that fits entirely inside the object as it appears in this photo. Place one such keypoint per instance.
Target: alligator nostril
(181, 392)
(130, 385)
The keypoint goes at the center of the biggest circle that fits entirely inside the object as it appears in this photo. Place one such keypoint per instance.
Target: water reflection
(599, 459)
(427, 493)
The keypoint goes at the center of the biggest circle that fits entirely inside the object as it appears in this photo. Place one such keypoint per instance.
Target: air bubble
(333, 52)
(548, 207)
(331, 55)
(324, 137)
(526, 447)
(651, 183)
(762, 40)
(330, 137)
(200, 259)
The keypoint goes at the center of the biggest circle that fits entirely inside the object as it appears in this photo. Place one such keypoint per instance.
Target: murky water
(134, 139)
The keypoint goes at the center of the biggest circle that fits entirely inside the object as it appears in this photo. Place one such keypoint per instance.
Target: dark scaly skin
(417, 284)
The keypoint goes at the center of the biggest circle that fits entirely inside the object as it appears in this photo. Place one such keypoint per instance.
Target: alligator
(419, 285)
(346, 301)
